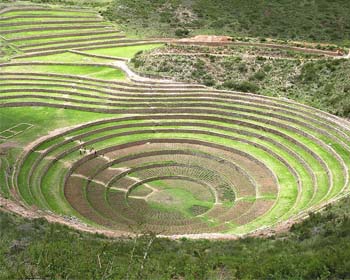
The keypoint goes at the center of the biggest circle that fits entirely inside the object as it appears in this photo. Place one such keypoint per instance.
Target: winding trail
(137, 78)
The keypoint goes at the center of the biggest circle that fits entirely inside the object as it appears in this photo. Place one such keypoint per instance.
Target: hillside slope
(322, 20)
(314, 80)
(318, 248)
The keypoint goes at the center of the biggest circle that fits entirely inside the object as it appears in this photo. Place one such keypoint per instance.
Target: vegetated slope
(314, 80)
(320, 20)
(318, 248)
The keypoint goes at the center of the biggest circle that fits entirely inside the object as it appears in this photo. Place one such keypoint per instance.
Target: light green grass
(181, 199)
(126, 52)
(76, 32)
(46, 18)
(48, 13)
(60, 26)
(63, 39)
(67, 57)
(100, 72)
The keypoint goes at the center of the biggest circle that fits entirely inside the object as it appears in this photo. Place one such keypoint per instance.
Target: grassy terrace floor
(81, 139)
(52, 27)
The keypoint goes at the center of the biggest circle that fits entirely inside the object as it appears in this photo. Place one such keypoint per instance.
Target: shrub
(308, 73)
(244, 86)
(137, 62)
(259, 75)
(208, 81)
(181, 32)
(267, 68)
(242, 68)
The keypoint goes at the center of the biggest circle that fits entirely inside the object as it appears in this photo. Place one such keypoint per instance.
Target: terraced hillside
(158, 155)
(40, 30)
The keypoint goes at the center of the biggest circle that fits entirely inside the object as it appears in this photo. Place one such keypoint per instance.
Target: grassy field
(101, 72)
(177, 198)
(126, 52)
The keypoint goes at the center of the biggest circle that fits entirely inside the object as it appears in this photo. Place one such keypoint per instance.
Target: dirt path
(228, 41)
(229, 55)
(136, 77)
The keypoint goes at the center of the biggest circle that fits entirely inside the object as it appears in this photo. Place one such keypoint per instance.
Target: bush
(208, 81)
(244, 86)
(259, 75)
(242, 68)
(181, 32)
(137, 62)
(309, 73)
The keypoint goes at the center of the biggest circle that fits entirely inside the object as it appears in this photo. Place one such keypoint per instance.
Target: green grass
(24, 35)
(47, 13)
(43, 19)
(63, 45)
(43, 119)
(60, 26)
(62, 39)
(180, 199)
(52, 189)
(140, 191)
(99, 72)
(126, 52)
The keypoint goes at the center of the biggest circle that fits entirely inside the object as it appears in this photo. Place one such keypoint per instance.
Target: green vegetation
(126, 52)
(67, 57)
(318, 82)
(92, 71)
(176, 199)
(81, 140)
(6, 51)
(43, 119)
(80, 4)
(317, 248)
(319, 21)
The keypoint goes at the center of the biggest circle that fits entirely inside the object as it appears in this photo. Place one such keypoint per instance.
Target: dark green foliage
(181, 32)
(309, 73)
(136, 61)
(208, 81)
(320, 20)
(244, 86)
(242, 68)
(259, 75)
(318, 248)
